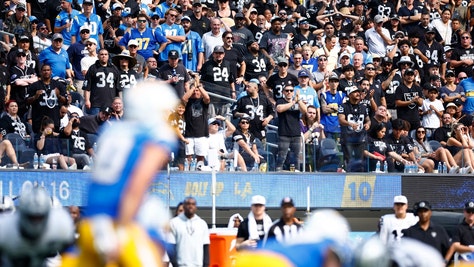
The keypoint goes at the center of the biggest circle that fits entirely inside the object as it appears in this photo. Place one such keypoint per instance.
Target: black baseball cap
(107, 110)
(287, 201)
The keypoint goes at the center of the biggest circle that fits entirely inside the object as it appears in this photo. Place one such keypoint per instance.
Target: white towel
(253, 233)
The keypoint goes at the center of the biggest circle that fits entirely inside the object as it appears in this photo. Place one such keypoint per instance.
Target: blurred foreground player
(131, 152)
(34, 232)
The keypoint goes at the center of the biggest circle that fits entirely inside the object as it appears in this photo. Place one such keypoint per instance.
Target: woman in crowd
(379, 150)
(246, 144)
(49, 144)
(450, 92)
(12, 123)
(460, 145)
(423, 151)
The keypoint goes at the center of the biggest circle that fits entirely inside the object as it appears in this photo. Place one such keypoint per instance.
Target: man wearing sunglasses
(290, 109)
(173, 33)
(462, 59)
(148, 41)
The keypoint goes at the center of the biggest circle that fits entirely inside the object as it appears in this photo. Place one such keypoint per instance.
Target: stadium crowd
(387, 83)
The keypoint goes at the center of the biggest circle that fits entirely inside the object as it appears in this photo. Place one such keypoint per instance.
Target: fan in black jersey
(21, 77)
(102, 84)
(278, 81)
(355, 122)
(258, 108)
(125, 63)
(256, 62)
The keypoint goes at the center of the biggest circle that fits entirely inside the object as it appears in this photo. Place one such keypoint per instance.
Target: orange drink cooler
(222, 249)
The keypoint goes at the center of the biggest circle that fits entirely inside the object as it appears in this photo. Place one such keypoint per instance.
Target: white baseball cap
(400, 199)
(258, 199)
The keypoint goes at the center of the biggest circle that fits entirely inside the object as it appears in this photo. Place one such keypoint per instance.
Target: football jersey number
(104, 79)
(143, 43)
(220, 74)
(259, 65)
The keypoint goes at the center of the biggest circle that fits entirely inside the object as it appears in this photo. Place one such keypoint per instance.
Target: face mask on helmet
(34, 208)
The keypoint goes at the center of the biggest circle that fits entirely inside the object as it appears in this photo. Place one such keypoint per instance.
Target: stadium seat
(329, 156)
(23, 152)
(77, 99)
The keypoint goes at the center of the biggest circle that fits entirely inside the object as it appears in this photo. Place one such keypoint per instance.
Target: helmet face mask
(33, 211)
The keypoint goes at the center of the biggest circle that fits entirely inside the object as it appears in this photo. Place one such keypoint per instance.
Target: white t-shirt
(216, 142)
(189, 235)
(391, 227)
(375, 41)
(431, 120)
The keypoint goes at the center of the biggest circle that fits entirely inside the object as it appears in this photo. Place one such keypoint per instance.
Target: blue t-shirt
(59, 62)
(62, 19)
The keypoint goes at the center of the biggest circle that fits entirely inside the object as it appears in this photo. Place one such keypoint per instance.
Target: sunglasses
(283, 65)
(287, 91)
(370, 68)
(172, 15)
(462, 78)
(244, 122)
(322, 59)
(91, 44)
(282, 14)
(465, 37)
(43, 29)
(21, 55)
(420, 131)
(84, 32)
(142, 20)
(229, 38)
(133, 46)
(333, 81)
(352, 36)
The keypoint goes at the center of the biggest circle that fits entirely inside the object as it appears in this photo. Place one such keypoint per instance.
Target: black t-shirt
(289, 120)
(196, 117)
(235, 58)
(464, 234)
(354, 113)
(167, 72)
(218, 74)
(258, 109)
(434, 236)
(243, 231)
(277, 83)
(109, 42)
(344, 83)
(256, 66)
(18, 92)
(78, 142)
(461, 54)
(409, 113)
(10, 125)
(47, 104)
(128, 79)
(201, 26)
(103, 82)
